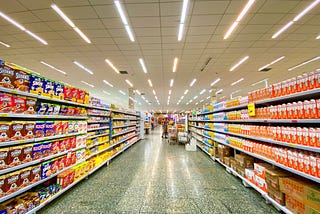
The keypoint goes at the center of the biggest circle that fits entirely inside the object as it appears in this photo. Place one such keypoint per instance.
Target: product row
(15, 78)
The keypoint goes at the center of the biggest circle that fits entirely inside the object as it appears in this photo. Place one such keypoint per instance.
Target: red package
(313, 165)
(307, 164)
(68, 93)
(300, 110)
(295, 160)
(6, 102)
(57, 128)
(312, 80)
(317, 78)
(318, 108)
(62, 145)
(318, 166)
(19, 104)
(73, 142)
(306, 137)
(65, 127)
(293, 85)
(55, 147)
(299, 135)
(74, 94)
(301, 161)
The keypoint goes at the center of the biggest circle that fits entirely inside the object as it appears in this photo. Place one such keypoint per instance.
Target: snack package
(36, 85)
(19, 104)
(16, 130)
(4, 155)
(5, 131)
(50, 109)
(35, 173)
(40, 129)
(68, 93)
(55, 149)
(31, 104)
(37, 151)
(81, 96)
(6, 75)
(58, 90)
(24, 177)
(6, 102)
(26, 155)
(55, 165)
(48, 88)
(70, 111)
(42, 108)
(46, 169)
(74, 93)
(11, 182)
(62, 145)
(46, 149)
(56, 109)
(67, 143)
(71, 127)
(15, 156)
(29, 130)
(49, 128)
(65, 127)
(57, 128)
(21, 80)
(63, 110)
(73, 142)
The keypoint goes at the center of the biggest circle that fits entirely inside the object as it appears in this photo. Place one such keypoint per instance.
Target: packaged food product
(58, 90)
(46, 149)
(81, 96)
(4, 155)
(14, 156)
(62, 145)
(2, 192)
(50, 109)
(6, 75)
(5, 131)
(57, 128)
(313, 165)
(19, 104)
(30, 105)
(11, 182)
(42, 108)
(37, 151)
(55, 165)
(49, 128)
(16, 132)
(21, 80)
(46, 169)
(48, 88)
(26, 153)
(6, 102)
(40, 129)
(35, 173)
(63, 110)
(56, 109)
(28, 131)
(74, 92)
(71, 127)
(24, 177)
(68, 93)
(36, 85)
(65, 127)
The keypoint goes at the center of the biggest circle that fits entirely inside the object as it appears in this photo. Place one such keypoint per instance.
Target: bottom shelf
(34, 210)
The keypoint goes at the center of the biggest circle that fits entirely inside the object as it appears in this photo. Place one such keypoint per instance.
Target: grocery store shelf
(34, 210)
(101, 121)
(15, 168)
(105, 141)
(24, 189)
(99, 108)
(36, 116)
(263, 194)
(121, 133)
(310, 177)
(202, 140)
(296, 146)
(99, 115)
(122, 118)
(205, 152)
(99, 128)
(123, 126)
(13, 91)
(124, 112)
(295, 121)
(296, 96)
(16, 142)
(99, 135)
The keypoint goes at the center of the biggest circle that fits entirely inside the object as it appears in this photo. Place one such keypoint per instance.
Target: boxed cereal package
(48, 88)
(6, 75)
(6, 102)
(36, 85)
(5, 131)
(58, 90)
(21, 80)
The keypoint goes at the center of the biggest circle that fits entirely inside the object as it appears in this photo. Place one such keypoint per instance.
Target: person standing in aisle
(164, 128)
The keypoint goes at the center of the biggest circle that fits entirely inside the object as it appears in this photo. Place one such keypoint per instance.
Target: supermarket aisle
(156, 177)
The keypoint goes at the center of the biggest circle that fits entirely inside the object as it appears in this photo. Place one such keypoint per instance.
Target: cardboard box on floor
(301, 190)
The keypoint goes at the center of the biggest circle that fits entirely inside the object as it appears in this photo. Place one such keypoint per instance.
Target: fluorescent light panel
(54, 68)
(171, 82)
(70, 23)
(122, 92)
(129, 83)
(236, 82)
(204, 90)
(138, 92)
(169, 92)
(304, 63)
(150, 83)
(186, 91)
(106, 92)
(299, 16)
(239, 18)
(219, 91)
(154, 92)
(239, 63)
(175, 62)
(5, 44)
(88, 84)
(83, 68)
(318, 37)
(193, 82)
(215, 82)
(124, 20)
(112, 66)
(182, 18)
(143, 65)
(109, 84)
(271, 63)
(22, 28)
(195, 97)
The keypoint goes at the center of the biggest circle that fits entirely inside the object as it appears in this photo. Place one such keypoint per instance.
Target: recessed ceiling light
(22, 28)
(122, 92)
(239, 63)
(106, 92)
(271, 63)
(215, 82)
(109, 84)
(124, 20)
(182, 18)
(299, 16)
(195, 97)
(129, 83)
(112, 66)
(83, 68)
(210, 90)
(88, 84)
(204, 90)
(193, 82)
(171, 82)
(5, 44)
(236, 82)
(69, 22)
(239, 18)
(150, 83)
(54, 68)
(143, 65)
(219, 91)
(175, 62)
(304, 63)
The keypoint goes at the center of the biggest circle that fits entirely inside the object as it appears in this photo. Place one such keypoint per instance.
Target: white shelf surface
(99, 128)
(123, 126)
(121, 133)
(101, 121)
(99, 135)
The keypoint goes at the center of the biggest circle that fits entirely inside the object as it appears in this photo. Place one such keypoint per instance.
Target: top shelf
(125, 112)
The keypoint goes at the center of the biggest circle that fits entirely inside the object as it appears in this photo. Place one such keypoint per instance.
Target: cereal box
(19, 104)
(36, 84)
(58, 90)
(6, 76)
(48, 88)
(21, 80)
(6, 102)
(31, 104)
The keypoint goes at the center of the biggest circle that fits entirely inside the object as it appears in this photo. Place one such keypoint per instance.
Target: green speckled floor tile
(154, 177)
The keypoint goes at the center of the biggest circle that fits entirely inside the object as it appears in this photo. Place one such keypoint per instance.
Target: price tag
(252, 109)
(45, 116)
(291, 145)
(4, 115)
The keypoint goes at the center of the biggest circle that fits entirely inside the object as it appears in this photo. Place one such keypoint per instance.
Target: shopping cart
(183, 137)
(172, 135)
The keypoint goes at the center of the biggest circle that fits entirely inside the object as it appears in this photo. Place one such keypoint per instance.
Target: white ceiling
(155, 27)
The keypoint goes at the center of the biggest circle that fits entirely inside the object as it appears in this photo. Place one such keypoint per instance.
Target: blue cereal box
(58, 91)
(36, 84)
(46, 169)
(48, 88)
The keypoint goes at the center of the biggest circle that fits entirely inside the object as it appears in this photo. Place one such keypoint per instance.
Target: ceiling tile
(210, 7)
(136, 10)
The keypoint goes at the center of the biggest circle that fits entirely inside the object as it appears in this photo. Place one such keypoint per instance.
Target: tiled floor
(154, 177)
